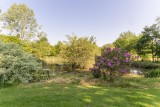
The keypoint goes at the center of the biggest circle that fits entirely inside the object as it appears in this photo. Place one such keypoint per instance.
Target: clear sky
(104, 19)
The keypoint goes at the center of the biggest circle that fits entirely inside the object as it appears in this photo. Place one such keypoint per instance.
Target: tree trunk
(152, 51)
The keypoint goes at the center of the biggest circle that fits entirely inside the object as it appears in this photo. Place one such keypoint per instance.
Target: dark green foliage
(146, 65)
(152, 73)
(148, 44)
(96, 72)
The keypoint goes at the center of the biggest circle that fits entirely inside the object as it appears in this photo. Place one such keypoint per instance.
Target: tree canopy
(20, 21)
(126, 41)
(80, 51)
(149, 42)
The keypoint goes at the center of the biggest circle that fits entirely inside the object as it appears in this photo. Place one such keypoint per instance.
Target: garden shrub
(96, 72)
(79, 53)
(15, 64)
(152, 73)
(111, 64)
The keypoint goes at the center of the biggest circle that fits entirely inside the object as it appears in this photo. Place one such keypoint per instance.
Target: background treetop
(20, 20)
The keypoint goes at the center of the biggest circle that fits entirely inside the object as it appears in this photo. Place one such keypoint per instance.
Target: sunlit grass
(126, 92)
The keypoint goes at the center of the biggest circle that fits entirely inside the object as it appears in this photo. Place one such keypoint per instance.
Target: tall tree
(126, 41)
(148, 42)
(20, 21)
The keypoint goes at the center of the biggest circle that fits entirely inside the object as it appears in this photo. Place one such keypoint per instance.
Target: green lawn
(130, 92)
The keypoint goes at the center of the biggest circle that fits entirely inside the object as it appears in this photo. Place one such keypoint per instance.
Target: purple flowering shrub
(111, 64)
(95, 72)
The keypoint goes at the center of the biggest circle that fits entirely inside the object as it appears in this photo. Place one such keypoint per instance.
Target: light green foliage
(39, 48)
(59, 48)
(110, 45)
(80, 52)
(8, 39)
(16, 65)
(53, 51)
(126, 41)
(20, 21)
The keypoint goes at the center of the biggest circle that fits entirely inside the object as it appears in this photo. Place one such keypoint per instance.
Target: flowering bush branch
(111, 63)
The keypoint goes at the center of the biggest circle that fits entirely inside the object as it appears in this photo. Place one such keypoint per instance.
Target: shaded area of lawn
(75, 95)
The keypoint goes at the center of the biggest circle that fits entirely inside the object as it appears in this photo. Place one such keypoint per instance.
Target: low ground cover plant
(152, 73)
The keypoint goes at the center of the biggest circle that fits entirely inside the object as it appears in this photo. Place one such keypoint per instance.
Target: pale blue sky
(104, 19)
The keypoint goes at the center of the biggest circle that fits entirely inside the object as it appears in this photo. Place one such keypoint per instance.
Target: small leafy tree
(80, 52)
(41, 48)
(15, 64)
(111, 64)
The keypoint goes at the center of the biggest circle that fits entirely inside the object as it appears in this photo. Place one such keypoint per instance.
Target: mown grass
(128, 91)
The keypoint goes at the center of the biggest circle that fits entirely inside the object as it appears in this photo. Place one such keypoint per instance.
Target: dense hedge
(146, 65)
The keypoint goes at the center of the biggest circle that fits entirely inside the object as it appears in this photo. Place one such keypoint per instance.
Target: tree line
(23, 29)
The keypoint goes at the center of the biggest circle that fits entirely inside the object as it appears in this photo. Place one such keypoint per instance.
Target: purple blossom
(101, 59)
(127, 60)
(118, 62)
(123, 70)
(118, 49)
(112, 58)
(109, 63)
(98, 64)
(108, 49)
(101, 62)
(106, 52)
(126, 55)
(115, 58)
